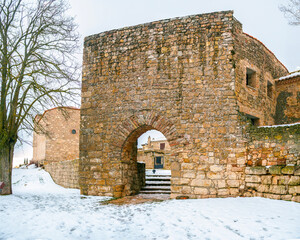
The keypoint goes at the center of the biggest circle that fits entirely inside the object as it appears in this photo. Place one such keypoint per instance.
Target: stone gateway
(197, 80)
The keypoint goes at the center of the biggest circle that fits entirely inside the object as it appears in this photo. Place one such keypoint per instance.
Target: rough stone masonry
(194, 79)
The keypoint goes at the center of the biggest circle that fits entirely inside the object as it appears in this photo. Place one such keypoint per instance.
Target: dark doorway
(158, 162)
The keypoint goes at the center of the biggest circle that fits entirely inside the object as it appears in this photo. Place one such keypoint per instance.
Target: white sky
(260, 18)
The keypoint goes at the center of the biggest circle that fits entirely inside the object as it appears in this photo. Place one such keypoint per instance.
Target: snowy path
(39, 209)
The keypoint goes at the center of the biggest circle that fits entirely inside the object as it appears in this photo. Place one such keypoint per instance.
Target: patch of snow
(294, 74)
(31, 166)
(281, 125)
(39, 209)
(158, 172)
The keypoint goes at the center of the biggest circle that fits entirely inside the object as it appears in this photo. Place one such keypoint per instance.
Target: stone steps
(161, 183)
(155, 192)
(157, 184)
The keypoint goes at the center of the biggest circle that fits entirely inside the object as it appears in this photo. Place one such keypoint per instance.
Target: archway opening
(154, 150)
(146, 162)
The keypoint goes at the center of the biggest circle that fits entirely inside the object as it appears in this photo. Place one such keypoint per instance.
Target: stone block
(283, 180)
(296, 198)
(288, 170)
(253, 179)
(216, 168)
(248, 194)
(294, 181)
(278, 189)
(259, 170)
(223, 192)
(212, 191)
(184, 181)
(232, 176)
(234, 191)
(263, 188)
(252, 185)
(233, 183)
(200, 191)
(189, 174)
(258, 194)
(241, 161)
(266, 179)
(201, 182)
(221, 183)
(212, 175)
(175, 188)
(176, 174)
(275, 170)
(117, 194)
(187, 166)
(119, 188)
(297, 171)
(186, 190)
(294, 190)
(286, 197)
(272, 196)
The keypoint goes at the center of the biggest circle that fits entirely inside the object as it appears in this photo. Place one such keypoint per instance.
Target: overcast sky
(260, 18)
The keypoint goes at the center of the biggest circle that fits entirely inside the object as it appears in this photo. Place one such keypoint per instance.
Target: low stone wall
(275, 182)
(278, 145)
(141, 174)
(64, 173)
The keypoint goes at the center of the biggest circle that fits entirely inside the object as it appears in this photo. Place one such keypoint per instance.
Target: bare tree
(292, 11)
(38, 44)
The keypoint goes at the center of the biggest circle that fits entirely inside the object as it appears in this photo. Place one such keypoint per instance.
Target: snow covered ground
(40, 209)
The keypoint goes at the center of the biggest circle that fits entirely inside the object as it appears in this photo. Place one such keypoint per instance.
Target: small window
(250, 78)
(73, 131)
(254, 120)
(162, 146)
(270, 89)
(157, 160)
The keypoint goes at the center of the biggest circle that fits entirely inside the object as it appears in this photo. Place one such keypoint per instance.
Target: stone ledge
(276, 170)
(256, 170)
(288, 170)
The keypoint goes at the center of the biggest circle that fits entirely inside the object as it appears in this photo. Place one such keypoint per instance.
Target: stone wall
(39, 148)
(185, 78)
(287, 100)
(174, 76)
(254, 100)
(276, 145)
(275, 182)
(56, 136)
(64, 173)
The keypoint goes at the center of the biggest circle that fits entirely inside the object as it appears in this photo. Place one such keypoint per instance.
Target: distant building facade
(56, 136)
(288, 99)
(155, 154)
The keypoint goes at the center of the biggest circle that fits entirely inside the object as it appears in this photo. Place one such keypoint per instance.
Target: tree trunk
(6, 158)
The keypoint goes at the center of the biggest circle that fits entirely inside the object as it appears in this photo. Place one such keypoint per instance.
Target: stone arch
(141, 119)
(125, 140)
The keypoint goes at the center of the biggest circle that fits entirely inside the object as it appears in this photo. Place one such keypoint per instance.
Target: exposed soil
(138, 199)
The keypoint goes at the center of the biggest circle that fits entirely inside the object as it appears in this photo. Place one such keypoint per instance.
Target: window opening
(254, 120)
(250, 78)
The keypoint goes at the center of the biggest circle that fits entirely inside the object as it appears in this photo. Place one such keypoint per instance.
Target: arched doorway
(153, 157)
(125, 139)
